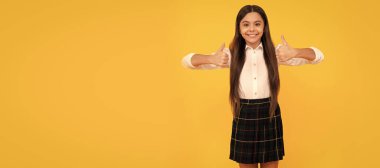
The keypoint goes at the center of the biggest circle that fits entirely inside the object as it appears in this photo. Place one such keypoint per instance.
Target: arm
(218, 59)
(305, 53)
(287, 55)
(195, 61)
(303, 56)
(199, 59)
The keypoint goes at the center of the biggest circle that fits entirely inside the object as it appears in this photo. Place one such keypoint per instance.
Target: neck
(254, 45)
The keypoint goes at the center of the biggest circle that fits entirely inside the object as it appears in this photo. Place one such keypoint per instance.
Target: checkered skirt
(256, 139)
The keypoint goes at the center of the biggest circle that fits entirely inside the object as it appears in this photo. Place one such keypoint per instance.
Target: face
(252, 29)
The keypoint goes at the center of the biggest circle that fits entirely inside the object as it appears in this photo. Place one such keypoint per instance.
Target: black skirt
(256, 139)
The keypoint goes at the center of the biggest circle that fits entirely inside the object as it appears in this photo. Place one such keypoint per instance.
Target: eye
(257, 24)
(245, 24)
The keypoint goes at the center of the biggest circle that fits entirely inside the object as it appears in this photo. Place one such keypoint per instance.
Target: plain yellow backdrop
(96, 84)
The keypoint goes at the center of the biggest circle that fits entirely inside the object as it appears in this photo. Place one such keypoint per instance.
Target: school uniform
(254, 139)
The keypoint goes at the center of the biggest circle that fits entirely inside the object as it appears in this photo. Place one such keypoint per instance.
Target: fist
(284, 51)
(219, 58)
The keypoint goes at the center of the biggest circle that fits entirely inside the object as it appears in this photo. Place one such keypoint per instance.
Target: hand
(219, 58)
(285, 52)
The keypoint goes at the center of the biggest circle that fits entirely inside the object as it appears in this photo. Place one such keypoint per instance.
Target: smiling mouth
(252, 35)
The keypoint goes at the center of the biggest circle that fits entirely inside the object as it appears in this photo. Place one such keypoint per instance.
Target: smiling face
(252, 29)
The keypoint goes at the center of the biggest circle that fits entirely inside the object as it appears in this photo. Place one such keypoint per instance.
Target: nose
(251, 28)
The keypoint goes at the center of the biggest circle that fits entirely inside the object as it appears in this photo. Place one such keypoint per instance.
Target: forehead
(252, 17)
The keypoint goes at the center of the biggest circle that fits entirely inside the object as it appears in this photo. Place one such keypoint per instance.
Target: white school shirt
(254, 83)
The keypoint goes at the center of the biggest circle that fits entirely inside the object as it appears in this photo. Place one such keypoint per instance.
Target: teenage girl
(257, 134)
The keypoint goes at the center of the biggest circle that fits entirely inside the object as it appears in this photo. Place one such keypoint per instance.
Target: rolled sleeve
(186, 61)
(318, 55)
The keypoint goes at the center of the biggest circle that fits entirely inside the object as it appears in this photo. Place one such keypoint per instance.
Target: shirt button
(254, 78)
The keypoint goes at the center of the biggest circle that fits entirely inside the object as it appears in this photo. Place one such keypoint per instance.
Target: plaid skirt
(254, 138)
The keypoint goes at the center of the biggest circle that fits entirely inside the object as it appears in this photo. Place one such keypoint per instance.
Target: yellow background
(95, 84)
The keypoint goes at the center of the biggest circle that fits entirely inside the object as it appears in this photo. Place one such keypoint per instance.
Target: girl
(257, 135)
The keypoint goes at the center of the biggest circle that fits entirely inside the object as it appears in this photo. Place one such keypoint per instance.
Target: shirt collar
(258, 47)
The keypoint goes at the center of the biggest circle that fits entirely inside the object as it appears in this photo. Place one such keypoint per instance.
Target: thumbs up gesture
(219, 58)
(284, 51)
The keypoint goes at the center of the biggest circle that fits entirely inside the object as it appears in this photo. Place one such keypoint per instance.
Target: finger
(278, 46)
(283, 40)
(221, 48)
(277, 51)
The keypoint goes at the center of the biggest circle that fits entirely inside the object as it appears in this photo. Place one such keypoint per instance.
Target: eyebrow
(253, 22)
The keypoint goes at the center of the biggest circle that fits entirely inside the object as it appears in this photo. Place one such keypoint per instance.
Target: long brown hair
(237, 48)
